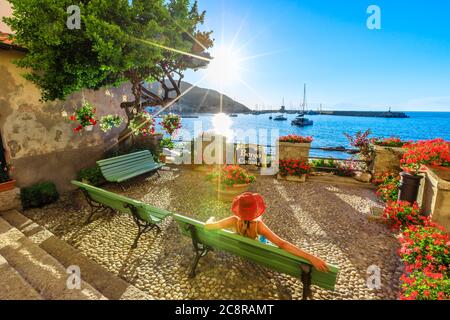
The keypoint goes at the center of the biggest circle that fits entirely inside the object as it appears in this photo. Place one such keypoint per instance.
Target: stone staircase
(34, 262)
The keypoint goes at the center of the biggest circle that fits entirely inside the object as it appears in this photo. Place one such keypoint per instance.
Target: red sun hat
(248, 206)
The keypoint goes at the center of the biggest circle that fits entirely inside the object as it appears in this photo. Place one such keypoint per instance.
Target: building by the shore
(34, 136)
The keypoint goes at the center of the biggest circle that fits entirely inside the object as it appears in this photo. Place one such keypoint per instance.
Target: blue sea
(328, 131)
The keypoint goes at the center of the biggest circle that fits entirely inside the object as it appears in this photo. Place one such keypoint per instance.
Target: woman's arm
(289, 247)
(222, 224)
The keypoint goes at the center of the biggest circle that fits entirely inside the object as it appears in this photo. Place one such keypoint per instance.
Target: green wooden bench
(122, 168)
(265, 254)
(145, 216)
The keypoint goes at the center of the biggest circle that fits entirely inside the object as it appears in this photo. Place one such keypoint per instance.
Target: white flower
(64, 113)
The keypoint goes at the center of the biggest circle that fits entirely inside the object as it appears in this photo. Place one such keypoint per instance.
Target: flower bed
(425, 252)
(400, 214)
(292, 138)
(231, 175)
(231, 180)
(292, 167)
(388, 142)
(387, 186)
(425, 247)
(432, 152)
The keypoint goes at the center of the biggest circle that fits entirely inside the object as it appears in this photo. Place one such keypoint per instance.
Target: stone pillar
(212, 149)
(297, 151)
(436, 196)
(387, 159)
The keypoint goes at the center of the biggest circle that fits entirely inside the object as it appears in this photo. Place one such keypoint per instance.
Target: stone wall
(387, 159)
(297, 151)
(5, 11)
(39, 141)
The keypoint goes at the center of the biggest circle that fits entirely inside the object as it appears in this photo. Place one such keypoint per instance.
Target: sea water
(328, 131)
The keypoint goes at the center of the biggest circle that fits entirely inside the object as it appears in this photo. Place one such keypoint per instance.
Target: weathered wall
(5, 11)
(387, 159)
(39, 141)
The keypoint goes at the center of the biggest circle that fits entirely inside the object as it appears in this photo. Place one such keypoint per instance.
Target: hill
(201, 100)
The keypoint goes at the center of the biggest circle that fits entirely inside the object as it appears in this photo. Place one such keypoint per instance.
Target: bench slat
(126, 171)
(139, 172)
(124, 157)
(127, 167)
(118, 166)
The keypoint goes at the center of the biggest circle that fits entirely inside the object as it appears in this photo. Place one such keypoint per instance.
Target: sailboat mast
(304, 97)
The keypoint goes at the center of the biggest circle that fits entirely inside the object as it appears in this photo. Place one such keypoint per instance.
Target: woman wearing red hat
(247, 209)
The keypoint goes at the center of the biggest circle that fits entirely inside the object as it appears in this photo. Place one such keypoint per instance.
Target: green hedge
(39, 195)
(92, 176)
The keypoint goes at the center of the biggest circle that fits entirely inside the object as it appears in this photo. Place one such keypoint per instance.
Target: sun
(226, 66)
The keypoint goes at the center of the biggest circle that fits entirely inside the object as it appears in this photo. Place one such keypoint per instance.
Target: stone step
(110, 285)
(13, 286)
(38, 268)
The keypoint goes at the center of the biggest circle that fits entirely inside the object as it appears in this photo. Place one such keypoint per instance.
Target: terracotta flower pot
(409, 187)
(227, 193)
(8, 185)
(442, 172)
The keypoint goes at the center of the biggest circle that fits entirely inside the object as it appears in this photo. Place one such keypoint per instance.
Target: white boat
(301, 121)
(280, 118)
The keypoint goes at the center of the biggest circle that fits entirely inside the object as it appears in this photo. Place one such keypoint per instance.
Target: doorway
(2, 154)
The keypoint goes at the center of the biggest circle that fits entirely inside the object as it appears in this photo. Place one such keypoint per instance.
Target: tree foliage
(120, 40)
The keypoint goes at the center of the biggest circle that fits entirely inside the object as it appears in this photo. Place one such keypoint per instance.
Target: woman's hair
(246, 225)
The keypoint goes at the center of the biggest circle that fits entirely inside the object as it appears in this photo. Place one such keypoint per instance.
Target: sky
(268, 49)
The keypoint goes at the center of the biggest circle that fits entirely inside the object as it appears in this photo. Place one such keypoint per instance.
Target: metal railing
(269, 151)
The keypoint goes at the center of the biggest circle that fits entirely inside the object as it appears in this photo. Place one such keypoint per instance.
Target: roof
(6, 42)
(4, 38)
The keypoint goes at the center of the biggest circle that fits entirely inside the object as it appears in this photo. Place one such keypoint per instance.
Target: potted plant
(231, 181)
(6, 183)
(143, 124)
(415, 157)
(166, 143)
(85, 117)
(293, 170)
(294, 147)
(171, 123)
(434, 153)
(110, 121)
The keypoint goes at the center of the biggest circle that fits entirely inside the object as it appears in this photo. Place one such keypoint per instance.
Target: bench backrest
(117, 167)
(119, 203)
(264, 254)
